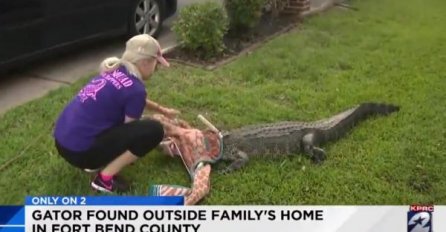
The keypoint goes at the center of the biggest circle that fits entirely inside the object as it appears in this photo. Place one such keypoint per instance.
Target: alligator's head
(230, 144)
(228, 138)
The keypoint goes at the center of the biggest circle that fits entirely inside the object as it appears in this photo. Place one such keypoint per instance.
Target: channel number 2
(425, 218)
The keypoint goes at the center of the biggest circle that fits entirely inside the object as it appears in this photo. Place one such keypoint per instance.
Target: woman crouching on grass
(100, 129)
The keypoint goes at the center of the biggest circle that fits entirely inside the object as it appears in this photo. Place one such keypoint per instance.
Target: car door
(108, 15)
(21, 28)
(75, 20)
(66, 22)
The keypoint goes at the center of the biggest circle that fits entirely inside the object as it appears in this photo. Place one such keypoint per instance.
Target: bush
(200, 28)
(244, 14)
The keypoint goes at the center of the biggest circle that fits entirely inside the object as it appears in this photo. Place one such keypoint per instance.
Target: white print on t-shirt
(92, 89)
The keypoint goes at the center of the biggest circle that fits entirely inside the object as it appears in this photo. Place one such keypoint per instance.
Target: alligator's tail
(343, 122)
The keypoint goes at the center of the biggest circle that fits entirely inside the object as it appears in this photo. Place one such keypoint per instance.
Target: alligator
(293, 137)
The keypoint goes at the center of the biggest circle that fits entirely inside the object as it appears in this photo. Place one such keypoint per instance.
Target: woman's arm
(151, 105)
(168, 112)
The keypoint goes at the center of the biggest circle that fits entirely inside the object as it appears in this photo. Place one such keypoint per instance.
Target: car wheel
(147, 17)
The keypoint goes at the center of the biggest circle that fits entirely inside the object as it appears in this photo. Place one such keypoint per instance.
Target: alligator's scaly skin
(285, 138)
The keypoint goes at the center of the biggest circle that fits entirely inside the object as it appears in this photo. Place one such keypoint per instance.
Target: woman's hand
(170, 113)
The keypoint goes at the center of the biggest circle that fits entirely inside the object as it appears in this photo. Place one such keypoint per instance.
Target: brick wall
(298, 6)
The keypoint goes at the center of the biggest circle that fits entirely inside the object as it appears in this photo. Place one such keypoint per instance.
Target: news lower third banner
(168, 214)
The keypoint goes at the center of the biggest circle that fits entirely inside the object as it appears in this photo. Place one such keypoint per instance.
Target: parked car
(32, 28)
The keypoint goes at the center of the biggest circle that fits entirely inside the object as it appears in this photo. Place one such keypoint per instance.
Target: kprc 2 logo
(419, 218)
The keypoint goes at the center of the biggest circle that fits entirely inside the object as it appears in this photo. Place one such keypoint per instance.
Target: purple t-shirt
(101, 104)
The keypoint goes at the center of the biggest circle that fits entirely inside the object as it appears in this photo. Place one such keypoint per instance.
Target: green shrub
(200, 28)
(244, 14)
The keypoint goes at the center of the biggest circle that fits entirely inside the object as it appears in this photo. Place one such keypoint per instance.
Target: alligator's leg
(310, 142)
(238, 159)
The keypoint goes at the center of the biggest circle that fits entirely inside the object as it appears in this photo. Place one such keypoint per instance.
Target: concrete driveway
(36, 81)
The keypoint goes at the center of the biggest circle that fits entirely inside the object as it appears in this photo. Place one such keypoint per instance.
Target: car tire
(143, 21)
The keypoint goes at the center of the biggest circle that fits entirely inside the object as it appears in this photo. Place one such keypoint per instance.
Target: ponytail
(110, 64)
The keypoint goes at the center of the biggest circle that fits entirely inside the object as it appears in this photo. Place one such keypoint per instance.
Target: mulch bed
(268, 28)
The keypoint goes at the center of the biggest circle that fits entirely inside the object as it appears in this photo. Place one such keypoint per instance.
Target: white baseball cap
(142, 47)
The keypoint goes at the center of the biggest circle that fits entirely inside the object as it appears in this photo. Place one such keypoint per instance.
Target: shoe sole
(99, 188)
(92, 170)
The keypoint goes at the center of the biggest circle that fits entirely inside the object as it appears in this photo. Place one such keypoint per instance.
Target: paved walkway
(318, 5)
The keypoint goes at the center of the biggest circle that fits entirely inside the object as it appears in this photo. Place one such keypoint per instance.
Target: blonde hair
(110, 64)
(137, 48)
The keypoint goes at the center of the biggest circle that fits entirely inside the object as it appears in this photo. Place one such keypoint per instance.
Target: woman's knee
(150, 134)
(153, 130)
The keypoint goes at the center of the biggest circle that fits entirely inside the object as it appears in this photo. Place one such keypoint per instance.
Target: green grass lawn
(389, 51)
